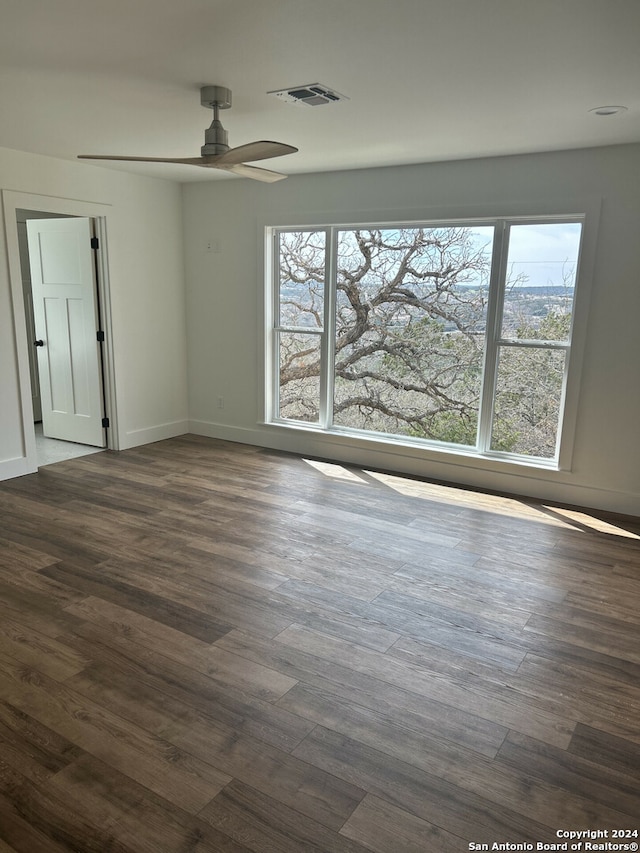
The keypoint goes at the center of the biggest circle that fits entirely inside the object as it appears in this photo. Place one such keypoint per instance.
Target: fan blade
(262, 150)
(212, 162)
(189, 161)
(254, 172)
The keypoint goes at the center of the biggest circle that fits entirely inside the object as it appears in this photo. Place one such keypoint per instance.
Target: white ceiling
(426, 79)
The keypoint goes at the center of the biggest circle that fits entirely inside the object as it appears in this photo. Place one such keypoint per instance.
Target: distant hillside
(530, 290)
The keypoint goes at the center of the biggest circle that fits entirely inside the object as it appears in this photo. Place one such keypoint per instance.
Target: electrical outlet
(221, 402)
(213, 246)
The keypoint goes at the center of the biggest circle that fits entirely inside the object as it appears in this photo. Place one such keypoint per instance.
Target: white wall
(224, 306)
(145, 255)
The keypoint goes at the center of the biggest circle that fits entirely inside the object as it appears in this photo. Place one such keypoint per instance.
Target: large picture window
(455, 334)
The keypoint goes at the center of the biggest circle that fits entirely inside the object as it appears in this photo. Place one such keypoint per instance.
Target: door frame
(12, 202)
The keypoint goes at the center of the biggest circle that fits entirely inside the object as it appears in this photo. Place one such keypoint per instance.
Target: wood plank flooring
(212, 647)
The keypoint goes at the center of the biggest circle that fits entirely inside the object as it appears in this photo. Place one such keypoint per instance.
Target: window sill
(417, 449)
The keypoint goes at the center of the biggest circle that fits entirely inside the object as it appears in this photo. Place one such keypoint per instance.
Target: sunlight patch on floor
(573, 519)
(337, 472)
(580, 520)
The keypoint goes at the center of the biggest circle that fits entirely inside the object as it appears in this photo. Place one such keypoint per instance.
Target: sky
(546, 253)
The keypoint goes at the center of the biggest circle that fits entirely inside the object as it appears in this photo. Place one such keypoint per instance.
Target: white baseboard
(229, 433)
(137, 437)
(18, 467)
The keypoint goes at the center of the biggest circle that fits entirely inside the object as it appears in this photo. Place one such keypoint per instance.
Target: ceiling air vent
(312, 94)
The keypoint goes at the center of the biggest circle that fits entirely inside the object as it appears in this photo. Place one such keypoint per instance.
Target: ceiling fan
(216, 153)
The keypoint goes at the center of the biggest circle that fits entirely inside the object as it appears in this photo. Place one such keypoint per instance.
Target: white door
(66, 325)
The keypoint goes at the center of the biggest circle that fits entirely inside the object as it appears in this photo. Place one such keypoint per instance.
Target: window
(454, 335)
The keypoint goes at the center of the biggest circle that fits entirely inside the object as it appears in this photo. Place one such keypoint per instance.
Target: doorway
(40, 447)
(62, 314)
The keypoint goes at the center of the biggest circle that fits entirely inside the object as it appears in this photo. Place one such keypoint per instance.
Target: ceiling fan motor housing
(216, 137)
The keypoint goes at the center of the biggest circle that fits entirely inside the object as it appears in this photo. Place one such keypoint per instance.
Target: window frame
(586, 212)
(494, 338)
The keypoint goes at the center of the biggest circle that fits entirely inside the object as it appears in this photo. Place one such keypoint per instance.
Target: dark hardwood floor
(212, 647)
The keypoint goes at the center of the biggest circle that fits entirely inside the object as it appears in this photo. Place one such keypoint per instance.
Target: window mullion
(273, 323)
(328, 350)
(492, 332)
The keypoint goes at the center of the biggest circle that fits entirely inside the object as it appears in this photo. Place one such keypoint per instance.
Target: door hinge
(95, 243)
(100, 336)
(105, 423)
